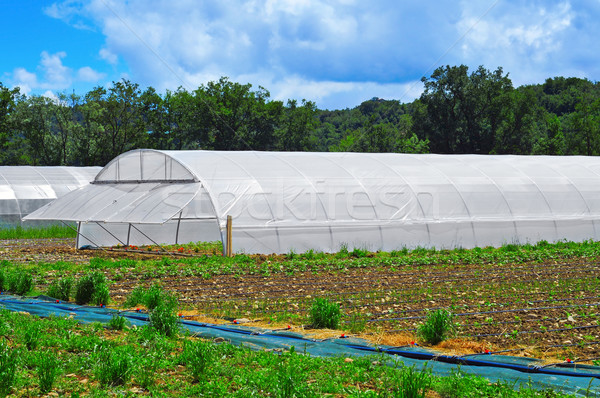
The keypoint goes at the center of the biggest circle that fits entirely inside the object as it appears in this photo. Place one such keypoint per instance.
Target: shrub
(8, 368)
(92, 288)
(437, 327)
(2, 279)
(47, 370)
(324, 314)
(61, 289)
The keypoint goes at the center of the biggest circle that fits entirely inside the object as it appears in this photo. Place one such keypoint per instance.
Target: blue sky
(337, 53)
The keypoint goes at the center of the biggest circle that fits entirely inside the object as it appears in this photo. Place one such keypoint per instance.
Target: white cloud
(337, 50)
(52, 74)
(87, 74)
(108, 56)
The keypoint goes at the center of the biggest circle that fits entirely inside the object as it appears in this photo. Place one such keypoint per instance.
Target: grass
(325, 314)
(113, 363)
(438, 326)
(53, 231)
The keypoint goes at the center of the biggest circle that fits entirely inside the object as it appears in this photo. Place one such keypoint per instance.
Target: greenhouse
(293, 201)
(24, 189)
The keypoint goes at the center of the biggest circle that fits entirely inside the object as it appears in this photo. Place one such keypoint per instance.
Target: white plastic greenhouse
(24, 189)
(322, 201)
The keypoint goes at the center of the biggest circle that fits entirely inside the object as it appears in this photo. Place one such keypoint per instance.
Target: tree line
(458, 112)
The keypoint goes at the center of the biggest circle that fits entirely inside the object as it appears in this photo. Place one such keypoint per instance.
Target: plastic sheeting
(323, 201)
(582, 380)
(24, 189)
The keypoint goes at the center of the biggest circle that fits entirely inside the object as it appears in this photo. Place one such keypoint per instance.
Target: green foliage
(92, 288)
(9, 363)
(324, 314)
(114, 366)
(161, 306)
(410, 383)
(31, 334)
(198, 357)
(52, 231)
(48, 368)
(61, 289)
(164, 319)
(117, 322)
(437, 326)
(19, 282)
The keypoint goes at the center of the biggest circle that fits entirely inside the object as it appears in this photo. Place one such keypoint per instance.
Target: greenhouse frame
(298, 201)
(24, 189)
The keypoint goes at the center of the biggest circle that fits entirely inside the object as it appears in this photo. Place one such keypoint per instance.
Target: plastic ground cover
(570, 378)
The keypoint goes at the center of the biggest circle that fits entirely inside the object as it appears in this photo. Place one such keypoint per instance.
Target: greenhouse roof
(301, 200)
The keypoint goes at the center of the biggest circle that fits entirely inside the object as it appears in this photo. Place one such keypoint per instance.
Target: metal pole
(229, 245)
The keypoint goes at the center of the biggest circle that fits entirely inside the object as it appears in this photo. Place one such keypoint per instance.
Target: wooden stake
(228, 250)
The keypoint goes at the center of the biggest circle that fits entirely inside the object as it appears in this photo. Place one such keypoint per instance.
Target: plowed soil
(545, 310)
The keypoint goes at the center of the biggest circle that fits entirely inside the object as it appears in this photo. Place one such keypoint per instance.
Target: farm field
(540, 301)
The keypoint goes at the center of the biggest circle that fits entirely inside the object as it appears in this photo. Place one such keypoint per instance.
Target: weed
(359, 253)
(61, 289)
(114, 366)
(32, 332)
(92, 288)
(411, 383)
(437, 326)
(164, 320)
(325, 314)
(198, 356)
(358, 323)
(290, 379)
(52, 231)
(20, 282)
(117, 322)
(9, 363)
(48, 368)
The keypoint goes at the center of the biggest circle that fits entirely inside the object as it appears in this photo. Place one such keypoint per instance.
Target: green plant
(359, 253)
(198, 357)
(114, 366)
(117, 322)
(164, 320)
(9, 363)
(411, 383)
(92, 288)
(32, 332)
(48, 368)
(324, 314)
(61, 289)
(2, 279)
(358, 323)
(20, 282)
(437, 326)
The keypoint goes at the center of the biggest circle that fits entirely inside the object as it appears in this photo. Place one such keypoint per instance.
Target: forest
(459, 111)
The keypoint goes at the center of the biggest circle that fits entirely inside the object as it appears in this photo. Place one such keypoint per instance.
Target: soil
(548, 310)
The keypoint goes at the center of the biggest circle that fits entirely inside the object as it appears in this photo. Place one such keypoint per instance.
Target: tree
(586, 121)
(462, 113)
(117, 119)
(297, 126)
(7, 107)
(233, 117)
